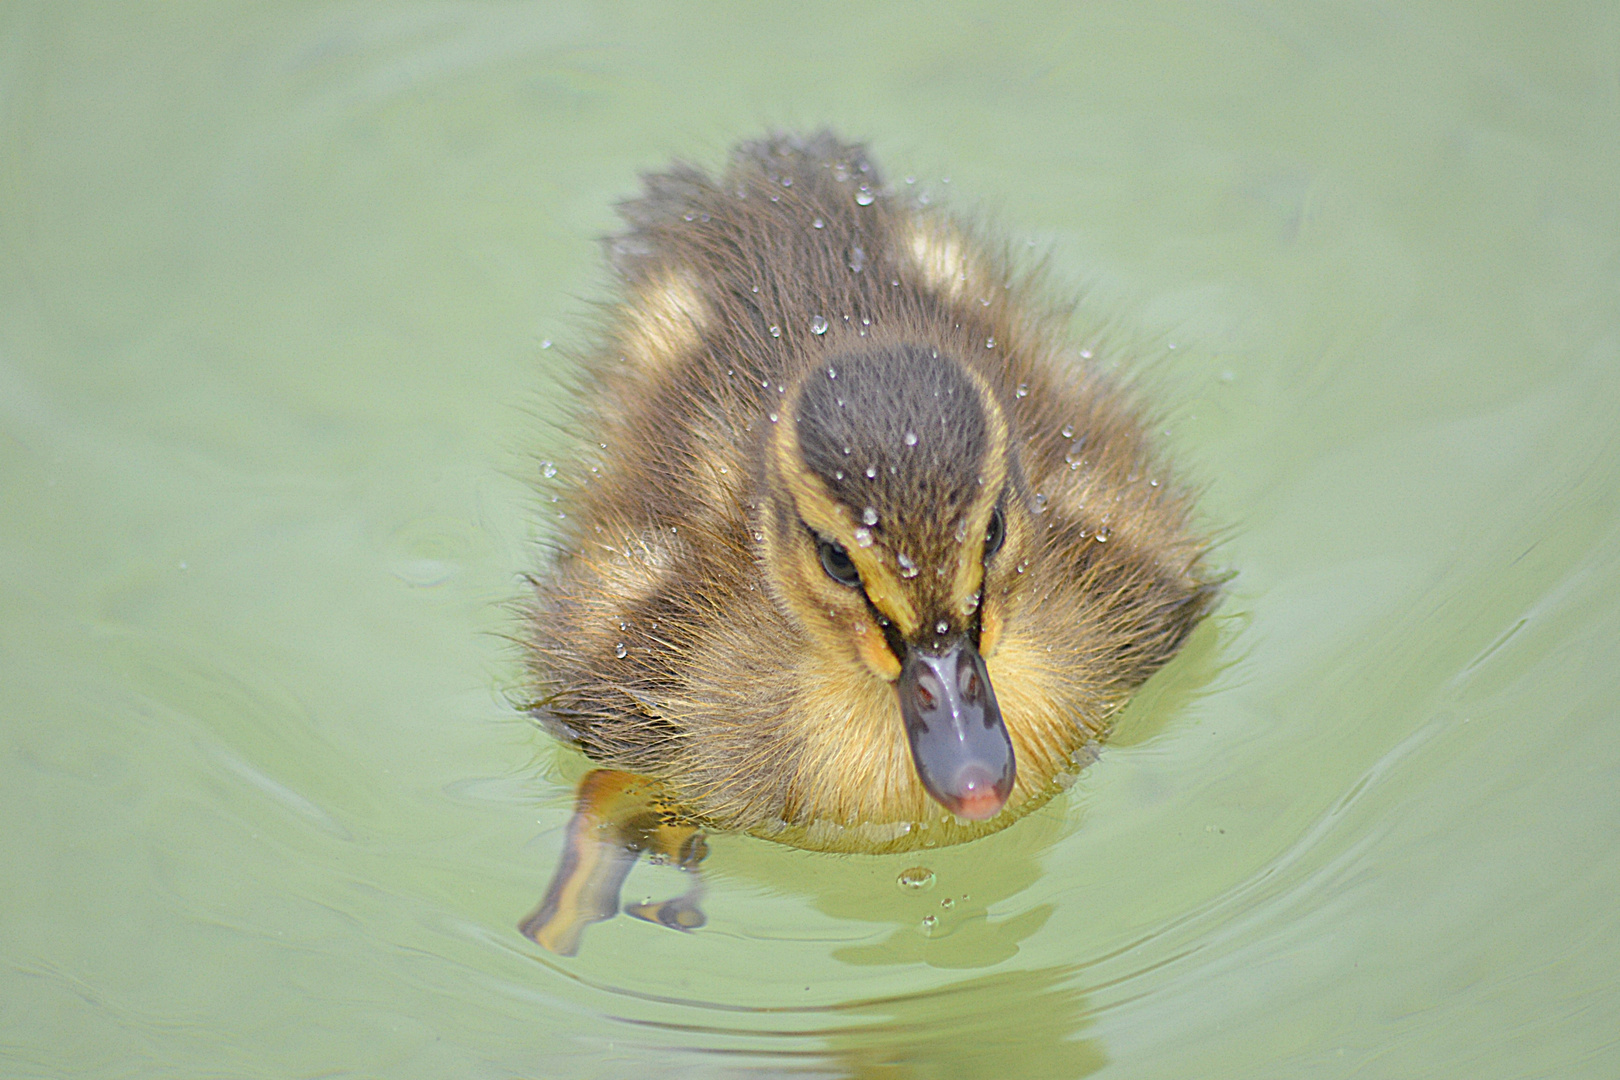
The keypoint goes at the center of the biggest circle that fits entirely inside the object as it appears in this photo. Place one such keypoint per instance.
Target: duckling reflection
(864, 553)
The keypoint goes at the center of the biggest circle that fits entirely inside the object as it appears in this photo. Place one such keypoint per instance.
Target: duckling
(866, 552)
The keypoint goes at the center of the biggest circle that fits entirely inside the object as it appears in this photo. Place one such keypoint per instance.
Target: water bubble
(857, 259)
(916, 878)
(818, 224)
(911, 438)
(1022, 391)
(871, 472)
(863, 537)
(548, 470)
(908, 569)
(620, 651)
(776, 331)
(869, 516)
(929, 922)
(864, 196)
(947, 903)
(818, 325)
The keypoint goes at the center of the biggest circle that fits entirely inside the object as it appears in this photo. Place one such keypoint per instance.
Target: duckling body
(863, 552)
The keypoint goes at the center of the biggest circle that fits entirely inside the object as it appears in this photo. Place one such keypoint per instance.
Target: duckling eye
(836, 561)
(996, 534)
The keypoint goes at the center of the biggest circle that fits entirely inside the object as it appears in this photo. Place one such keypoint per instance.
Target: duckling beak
(958, 742)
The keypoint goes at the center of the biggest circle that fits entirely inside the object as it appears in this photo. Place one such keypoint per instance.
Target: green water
(276, 284)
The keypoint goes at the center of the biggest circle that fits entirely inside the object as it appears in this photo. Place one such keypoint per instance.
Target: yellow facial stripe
(824, 514)
(969, 576)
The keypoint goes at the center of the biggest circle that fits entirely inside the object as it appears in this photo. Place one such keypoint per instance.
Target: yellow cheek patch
(664, 321)
(874, 652)
(990, 628)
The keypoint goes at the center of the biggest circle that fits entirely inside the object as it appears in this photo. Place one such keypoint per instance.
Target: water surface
(277, 292)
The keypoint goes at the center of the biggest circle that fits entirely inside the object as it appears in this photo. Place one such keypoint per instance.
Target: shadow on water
(980, 1027)
(1028, 1021)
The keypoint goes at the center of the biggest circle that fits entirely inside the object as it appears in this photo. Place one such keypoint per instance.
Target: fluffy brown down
(680, 634)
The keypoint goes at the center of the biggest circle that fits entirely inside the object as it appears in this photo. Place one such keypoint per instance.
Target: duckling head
(890, 488)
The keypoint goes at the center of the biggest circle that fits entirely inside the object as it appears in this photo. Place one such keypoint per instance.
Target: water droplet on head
(869, 516)
(863, 537)
(1022, 391)
(818, 325)
(942, 628)
(1068, 431)
(916, 878)
(620, 651)
(911, 438)
(857, 259)
(547, 469)
(1085, 354)
(864, 196)
(818, 224)
(776, 331)
(871, 472)
(908, 569)
(772, 417)
(989, 342)
(546, 343)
